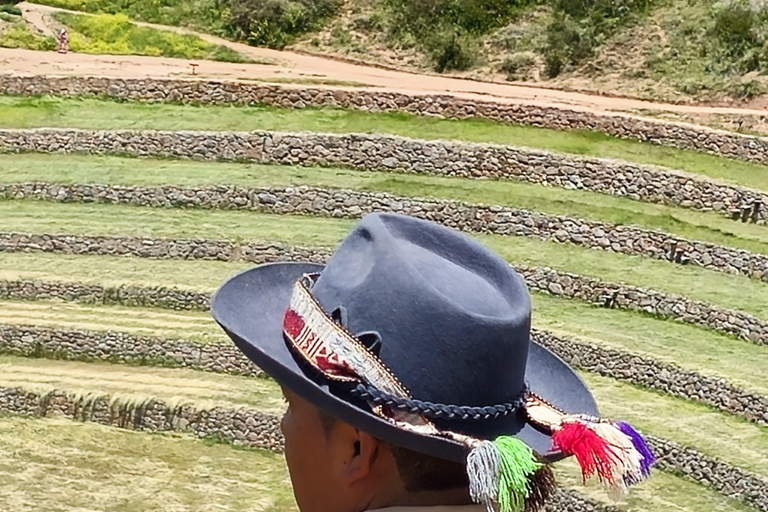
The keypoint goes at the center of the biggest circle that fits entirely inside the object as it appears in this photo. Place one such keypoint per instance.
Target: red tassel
(592, 452)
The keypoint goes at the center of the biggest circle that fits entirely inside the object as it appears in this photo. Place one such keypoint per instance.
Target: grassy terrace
(714, 433)
(701, 350)
(136, 384)
(23, 112)
(706, 226)
(40, 217)
(195, 326)
(662, 492)
(84, 466)
(717, 434)
(57, 464)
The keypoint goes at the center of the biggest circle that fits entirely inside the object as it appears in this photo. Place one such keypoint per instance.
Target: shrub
(276, 23)
(450, 50)
(8, 2)
(734, 26)
(578, 27)
(10, 9)
(518, 65)
(468, 16)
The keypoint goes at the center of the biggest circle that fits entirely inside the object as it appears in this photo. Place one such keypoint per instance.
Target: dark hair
(418, 472)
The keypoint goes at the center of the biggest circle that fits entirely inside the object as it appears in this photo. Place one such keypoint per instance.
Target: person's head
(336, 467)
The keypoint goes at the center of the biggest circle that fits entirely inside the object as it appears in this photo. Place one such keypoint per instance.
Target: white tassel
(629, 467)
(483, 468)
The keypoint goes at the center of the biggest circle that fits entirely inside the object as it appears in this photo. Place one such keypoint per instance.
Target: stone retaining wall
(679, 135)
(463, 216)
(258, 430)
(239, 426)
(120, 347)
(649, 373)
(381, 152)
(644, 371)
(572, 286)
(723, 477)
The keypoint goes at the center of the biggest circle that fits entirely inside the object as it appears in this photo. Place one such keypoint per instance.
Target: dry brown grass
(194, 325)
(662, 492)
(49, 465)
(134, 385)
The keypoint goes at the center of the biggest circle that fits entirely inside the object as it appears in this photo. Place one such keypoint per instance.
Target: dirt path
(291, 65)
(36, 18)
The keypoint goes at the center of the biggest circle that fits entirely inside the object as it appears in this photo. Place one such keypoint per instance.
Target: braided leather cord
(438, 411)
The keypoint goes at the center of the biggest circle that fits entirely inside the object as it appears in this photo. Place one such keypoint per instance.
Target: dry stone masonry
(649, 373)
(240, 426)
(120, 347)
(83, 345)
(381, 152)
(723, 477)
(463, 216)
(255, 429)
(572, 286)
(679, 135)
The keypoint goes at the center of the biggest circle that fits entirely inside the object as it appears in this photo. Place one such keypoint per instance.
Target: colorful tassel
(593, 453)
(641, 445)
(483, 467)
(517, 465)
(616, 452)
(500, 475)
(542, 488)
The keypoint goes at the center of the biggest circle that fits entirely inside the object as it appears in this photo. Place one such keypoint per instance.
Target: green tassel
(518, 464)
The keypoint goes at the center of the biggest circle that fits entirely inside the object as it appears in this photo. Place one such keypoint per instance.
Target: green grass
(693, 348)
(662, 491)
(706, 226)
(40, 217)
(49, 465)
(195, 326)
(136, 384)
(24, 112)
(18, 35)
(702, 350)
(114, 34)
(204, 15)
(713, 433)
(199, 275)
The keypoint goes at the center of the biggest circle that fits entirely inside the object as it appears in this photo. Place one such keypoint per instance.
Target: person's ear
(364, 450)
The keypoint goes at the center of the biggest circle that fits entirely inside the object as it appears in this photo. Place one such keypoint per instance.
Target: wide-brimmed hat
(420, 336)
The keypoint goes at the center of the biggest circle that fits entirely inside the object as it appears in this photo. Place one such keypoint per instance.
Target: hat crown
(452, 317)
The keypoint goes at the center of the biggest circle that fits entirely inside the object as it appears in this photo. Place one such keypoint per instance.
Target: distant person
(63, 41)
(411, 378)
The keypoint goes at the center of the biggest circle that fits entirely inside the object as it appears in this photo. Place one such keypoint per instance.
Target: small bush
(518, 66)
(8, 2)
(275, 23)
(553, 64)
(10, 9)
(451, 51)
(734, 27)
(748, 89)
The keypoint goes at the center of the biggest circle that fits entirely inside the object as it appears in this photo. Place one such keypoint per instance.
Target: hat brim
(250, 308)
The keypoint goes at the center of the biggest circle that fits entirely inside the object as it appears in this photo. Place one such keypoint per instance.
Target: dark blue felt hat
(448, 317)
